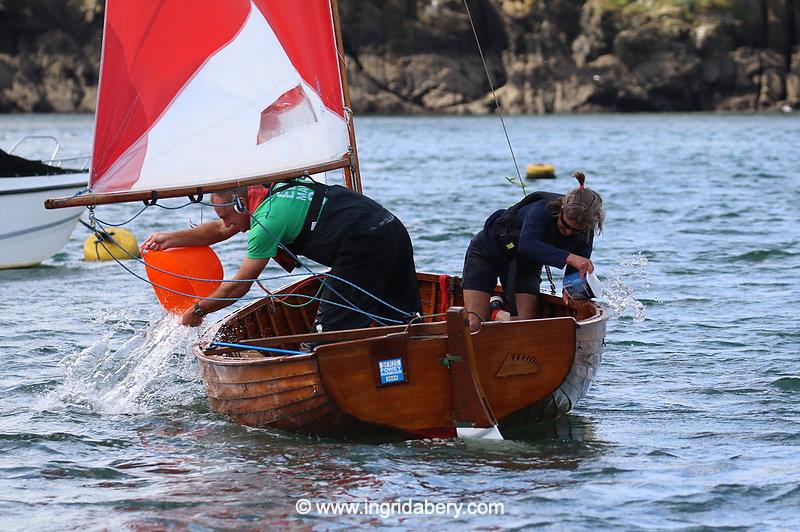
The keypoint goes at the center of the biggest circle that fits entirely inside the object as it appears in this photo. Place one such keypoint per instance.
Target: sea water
(693, 420)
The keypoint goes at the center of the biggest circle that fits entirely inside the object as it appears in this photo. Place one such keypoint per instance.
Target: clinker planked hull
(512, 374)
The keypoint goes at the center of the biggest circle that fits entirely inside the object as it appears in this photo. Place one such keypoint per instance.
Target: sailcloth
(196, 92)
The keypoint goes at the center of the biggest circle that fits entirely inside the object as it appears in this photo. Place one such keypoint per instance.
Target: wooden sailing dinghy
(423, 380)
(202, 96)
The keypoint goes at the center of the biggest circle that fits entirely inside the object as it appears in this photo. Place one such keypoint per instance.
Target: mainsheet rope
(319, 276)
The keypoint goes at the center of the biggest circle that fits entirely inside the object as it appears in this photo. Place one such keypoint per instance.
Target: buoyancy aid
(344, 212)
(507, 229)
(257, 195)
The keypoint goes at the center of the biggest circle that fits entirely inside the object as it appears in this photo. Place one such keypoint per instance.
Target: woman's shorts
(481, 272)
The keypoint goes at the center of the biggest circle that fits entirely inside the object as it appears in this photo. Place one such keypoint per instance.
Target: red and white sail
(196, 92)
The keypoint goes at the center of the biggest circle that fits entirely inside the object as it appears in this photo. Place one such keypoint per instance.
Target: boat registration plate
(391, 371)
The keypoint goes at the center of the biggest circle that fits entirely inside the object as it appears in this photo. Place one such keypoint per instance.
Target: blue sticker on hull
(391, 371)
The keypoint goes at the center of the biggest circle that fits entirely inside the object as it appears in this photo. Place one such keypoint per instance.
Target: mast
(352, 174)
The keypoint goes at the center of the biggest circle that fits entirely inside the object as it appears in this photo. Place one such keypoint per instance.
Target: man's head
(225, 208)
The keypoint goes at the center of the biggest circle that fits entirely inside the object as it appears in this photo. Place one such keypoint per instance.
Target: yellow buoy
(540, 171)
(121, 245)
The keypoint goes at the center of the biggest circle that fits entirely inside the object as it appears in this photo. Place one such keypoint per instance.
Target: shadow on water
(559, 444)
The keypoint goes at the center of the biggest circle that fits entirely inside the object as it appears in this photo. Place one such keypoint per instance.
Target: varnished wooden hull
(510, 373)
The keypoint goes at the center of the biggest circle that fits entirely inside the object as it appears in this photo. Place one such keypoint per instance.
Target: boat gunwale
(600, 315)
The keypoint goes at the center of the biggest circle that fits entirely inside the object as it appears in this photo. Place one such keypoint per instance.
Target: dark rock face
(419, 56)
(49, 55)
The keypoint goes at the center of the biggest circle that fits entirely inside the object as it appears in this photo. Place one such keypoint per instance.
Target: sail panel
(312, 48)
(208, 125)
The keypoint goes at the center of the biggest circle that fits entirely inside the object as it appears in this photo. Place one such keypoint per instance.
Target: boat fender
(115, 243)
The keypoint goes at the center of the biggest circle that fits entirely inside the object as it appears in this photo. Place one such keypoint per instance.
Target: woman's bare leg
(527, 307)
(477, 302)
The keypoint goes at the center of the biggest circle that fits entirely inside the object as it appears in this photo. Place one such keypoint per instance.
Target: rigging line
(162, 207)
(297, 259)
(320, 277)
(322, 281)
(494, 95)
(244, 298)
(125, 222)
(80, 193)
(104, 235)
(101, 234)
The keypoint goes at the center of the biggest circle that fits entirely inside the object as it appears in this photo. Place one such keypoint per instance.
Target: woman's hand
(566, 297)
(582, 264)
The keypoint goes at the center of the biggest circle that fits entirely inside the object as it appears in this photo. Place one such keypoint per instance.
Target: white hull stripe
(39, 227)
(42, 188)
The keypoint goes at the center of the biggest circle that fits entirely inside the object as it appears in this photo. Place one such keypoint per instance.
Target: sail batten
(199, 93)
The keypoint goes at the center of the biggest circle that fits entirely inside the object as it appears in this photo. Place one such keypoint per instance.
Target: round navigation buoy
(112, 244)
(540, 171)
(168, 271)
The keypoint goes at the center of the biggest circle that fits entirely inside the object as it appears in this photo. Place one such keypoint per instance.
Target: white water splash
(151, 368)
(619, 290)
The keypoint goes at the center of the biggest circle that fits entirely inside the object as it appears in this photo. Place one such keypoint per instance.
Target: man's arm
(202, 235)
(250, 269)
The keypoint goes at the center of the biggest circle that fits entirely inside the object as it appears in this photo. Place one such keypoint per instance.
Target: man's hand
(202, 235)
(157, 242)
(582, 264)
(190, 319)
(227, 293)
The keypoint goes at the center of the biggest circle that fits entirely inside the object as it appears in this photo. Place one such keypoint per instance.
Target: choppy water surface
(694, 420)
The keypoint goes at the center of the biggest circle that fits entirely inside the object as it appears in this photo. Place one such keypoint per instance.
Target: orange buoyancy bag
(183, 276)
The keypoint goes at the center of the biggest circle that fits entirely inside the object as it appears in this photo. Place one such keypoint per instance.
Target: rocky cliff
(419, 56)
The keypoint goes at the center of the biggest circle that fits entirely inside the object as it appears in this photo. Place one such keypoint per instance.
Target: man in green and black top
(355, 236)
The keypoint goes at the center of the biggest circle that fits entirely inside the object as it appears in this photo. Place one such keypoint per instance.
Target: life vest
(506, 227)
(324, 230)
(345, 214)
(285, 259)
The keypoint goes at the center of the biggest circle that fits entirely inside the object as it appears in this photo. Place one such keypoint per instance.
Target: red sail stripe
(151, 49)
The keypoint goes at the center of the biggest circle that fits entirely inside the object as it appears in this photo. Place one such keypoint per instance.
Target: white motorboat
(29, 233)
